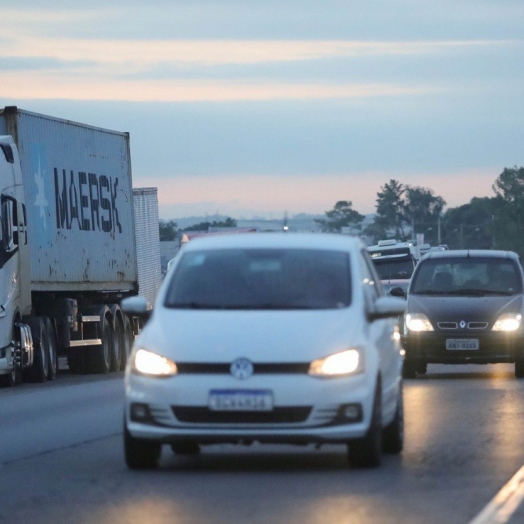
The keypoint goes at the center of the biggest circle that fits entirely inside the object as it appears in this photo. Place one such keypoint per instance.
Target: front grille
(477, 325)
(223, 368)
(447, 325)
(455, 325)
(279, 415)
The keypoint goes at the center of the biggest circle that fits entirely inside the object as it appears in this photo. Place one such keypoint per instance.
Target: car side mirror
(136, 307)
(397, 291)
(387, 307)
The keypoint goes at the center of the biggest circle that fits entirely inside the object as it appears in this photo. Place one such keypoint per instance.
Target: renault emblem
(241, 368)
(462, 324)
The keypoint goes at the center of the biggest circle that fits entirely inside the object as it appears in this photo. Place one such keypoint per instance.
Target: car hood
(454, 308)
(262, 336)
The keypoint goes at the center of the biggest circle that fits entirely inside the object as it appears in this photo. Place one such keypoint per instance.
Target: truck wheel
(139, 453)
(366, 452)
(117, 336)
(52, 367)
(128, 341)
(98, 358)
(393, 433)
(38, 371)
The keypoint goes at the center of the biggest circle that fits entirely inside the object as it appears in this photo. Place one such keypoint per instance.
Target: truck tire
(38, 371)
(128, 341)
(366, 452)
(118, 339)
(52, 366)
(98, 358)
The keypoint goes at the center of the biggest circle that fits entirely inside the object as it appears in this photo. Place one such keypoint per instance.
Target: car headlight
(343, 363)
(149, 363)
(508, 322)
(418, 322)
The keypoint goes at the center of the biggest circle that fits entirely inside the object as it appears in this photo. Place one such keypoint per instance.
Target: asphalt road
(61, 461)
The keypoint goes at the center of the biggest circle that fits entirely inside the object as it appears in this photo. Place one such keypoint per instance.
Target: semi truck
(68, 248)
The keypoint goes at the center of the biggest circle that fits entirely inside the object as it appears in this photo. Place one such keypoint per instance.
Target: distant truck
(68, 252)
(395, 261)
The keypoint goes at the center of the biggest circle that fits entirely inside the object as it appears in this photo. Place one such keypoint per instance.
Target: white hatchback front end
(294, 370)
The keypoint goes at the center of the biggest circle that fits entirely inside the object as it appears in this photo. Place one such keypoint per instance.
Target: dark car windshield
(467, 276)
(261, 279)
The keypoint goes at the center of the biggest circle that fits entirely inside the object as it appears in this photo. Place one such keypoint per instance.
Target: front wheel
(38, 371)
(409, 369)
(366, 452)
(393, 433)
(139, 453)
(519, 367)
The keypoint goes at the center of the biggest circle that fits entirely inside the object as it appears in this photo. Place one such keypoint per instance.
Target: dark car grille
(455, 325)
(223, 368)
(278, 415)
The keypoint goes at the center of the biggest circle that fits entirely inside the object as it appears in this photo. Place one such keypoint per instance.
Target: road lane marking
(505, 502)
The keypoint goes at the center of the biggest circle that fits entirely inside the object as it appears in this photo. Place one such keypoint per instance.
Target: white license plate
(462, 343)
(240, 400)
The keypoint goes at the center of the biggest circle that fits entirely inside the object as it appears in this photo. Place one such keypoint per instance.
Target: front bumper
(493, 347)
(323, 401)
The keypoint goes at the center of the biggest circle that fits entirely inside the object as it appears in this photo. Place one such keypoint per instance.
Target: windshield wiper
(468, 291)
(430, 292)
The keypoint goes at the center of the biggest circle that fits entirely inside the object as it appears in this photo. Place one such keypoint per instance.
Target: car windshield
(394, 269)
(467, 276)
(261, 279)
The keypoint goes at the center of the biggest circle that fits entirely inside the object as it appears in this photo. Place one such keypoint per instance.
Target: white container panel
(78, 190)
(147, 238)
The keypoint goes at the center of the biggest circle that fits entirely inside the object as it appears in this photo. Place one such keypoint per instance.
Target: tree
(422, 208)
(470, 226)
(204, 226)
(509, 188)
(390, 208)
(167, 229)
(342, 215)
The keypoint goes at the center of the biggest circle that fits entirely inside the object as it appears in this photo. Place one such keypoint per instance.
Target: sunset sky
(247, 107)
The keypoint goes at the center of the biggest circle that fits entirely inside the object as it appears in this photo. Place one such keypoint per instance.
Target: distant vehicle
(394, 262)
(465, 306)
(273, 338)
(68, 249)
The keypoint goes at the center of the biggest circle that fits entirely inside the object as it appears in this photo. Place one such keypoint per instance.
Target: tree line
(403, 211)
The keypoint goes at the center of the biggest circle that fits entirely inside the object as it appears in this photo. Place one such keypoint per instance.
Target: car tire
(409, 369)
(422, 367)
(140, 453)
(366, 452)
(519, 367)
(38, 371)
(393, 433)
(189, 448)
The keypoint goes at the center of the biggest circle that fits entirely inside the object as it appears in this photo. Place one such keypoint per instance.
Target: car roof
(470, 253)
(323, 241)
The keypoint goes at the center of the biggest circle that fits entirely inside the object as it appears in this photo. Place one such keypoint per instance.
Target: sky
(263, 108)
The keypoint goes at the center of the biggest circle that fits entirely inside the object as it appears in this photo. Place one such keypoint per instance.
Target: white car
(270, 337)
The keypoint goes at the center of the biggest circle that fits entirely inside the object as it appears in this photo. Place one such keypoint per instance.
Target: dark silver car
(465, 306)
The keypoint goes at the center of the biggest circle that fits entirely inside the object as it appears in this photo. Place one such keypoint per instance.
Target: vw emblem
(241, 368)
(462, 324)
